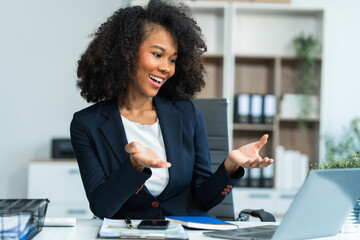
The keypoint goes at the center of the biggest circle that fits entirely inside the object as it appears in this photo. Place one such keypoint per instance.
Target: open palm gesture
(143, 157)
(248, 156)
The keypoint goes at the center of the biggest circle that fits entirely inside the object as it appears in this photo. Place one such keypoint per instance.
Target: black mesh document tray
(16, 208)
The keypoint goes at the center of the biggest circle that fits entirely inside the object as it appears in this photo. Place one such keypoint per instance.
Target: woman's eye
(157, 55)
(172, 60)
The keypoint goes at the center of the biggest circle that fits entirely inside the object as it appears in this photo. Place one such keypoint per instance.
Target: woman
(142, 148)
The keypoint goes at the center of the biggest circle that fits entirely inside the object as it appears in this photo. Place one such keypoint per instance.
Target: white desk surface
(87, 229)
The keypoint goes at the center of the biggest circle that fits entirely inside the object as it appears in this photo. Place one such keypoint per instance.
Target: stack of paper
(15, 226)
(119, 229)
(291, 168)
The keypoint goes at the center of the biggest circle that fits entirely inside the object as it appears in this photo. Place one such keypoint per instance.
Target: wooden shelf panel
(289, 83)
(254, 76)
(213, 78)
(309, 120)
(306, 142)
(252, 127)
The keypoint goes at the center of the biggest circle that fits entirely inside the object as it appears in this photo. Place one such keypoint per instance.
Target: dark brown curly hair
(111, 59)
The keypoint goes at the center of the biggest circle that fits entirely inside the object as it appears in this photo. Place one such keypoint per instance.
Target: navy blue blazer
(116, 190)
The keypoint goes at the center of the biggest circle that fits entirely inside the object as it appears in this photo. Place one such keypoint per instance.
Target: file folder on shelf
(268, 176)
(269, 108)
(256, 109)
(242, 108)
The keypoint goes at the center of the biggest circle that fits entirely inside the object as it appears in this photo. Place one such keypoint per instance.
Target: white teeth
(159, 80)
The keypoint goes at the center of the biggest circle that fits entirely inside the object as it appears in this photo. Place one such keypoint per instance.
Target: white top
(150, 136)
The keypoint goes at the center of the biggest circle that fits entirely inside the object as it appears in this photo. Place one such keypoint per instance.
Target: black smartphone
(153, 224)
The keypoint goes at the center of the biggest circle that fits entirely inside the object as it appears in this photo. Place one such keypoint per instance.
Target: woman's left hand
(248, 156)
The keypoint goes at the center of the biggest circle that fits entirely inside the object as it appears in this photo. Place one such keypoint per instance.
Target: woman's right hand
(143, 157)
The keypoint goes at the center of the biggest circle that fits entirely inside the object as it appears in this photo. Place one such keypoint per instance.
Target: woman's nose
(164, 67)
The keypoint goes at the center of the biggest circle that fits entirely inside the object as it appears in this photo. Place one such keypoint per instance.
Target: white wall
(41, 41)
(40, 44)
(341, 63)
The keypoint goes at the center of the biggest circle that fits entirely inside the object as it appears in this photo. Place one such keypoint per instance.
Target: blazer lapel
(113, 130)
(171, 128)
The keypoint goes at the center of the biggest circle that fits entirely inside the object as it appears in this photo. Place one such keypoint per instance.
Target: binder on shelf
(255, 177)
(256, 108)
(269, 108)
(268, 176)
(242, 108)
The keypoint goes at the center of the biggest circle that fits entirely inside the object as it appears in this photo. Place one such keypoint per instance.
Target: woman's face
(156, 62)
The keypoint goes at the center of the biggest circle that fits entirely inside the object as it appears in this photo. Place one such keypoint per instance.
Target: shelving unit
(250, 51)
(214, 15)
(250, 46)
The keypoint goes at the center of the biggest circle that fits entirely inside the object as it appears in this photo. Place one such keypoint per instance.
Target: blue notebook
(200, 222)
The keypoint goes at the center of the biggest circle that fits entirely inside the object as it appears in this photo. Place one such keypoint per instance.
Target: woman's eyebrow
(162, 49)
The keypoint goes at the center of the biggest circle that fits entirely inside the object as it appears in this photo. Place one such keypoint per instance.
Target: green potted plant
(344, 153)
(348, 160)
(307, 49)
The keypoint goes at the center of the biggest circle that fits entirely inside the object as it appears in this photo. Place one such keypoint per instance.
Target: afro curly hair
(110, 60)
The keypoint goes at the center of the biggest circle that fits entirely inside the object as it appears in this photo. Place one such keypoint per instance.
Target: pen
(128, 222)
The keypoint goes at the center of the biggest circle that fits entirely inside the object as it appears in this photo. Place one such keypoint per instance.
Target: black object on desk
(260, 213)
(153, 224)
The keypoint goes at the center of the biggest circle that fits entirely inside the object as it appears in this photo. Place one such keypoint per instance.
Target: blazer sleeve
(105, 191)
(208, 187)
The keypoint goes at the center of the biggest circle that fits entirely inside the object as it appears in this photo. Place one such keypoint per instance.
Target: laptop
(318, 210)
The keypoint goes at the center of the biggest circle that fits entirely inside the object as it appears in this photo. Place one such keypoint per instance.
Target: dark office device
(153, 224)
(260, 213)
(62, 148)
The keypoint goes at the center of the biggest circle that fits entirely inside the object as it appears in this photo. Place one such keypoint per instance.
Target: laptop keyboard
(251, 233)
(258, 235)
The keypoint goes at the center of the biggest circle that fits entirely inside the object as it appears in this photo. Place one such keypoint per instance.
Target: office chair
(214, 112)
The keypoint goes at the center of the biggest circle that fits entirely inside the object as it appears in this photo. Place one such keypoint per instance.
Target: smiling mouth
(156, 79)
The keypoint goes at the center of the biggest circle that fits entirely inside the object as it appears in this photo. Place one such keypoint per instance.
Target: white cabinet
(60, 182)
(275, 201)
(253, 198)
(283, 200)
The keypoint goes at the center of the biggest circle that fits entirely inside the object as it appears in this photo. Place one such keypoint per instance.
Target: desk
(87, 229)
